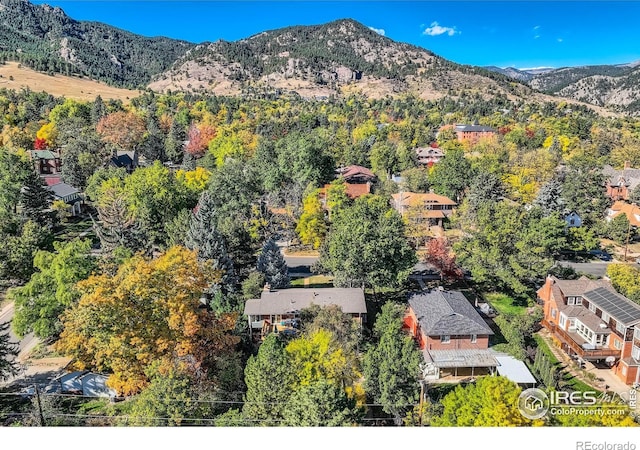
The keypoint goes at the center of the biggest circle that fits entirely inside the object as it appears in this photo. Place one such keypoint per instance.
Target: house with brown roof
(620, 183)
(589, 320)
(279, 310)
(628, 209)
(428, 156)
(428, 208)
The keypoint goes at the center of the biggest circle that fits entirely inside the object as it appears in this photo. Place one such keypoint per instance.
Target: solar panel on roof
(619, 307)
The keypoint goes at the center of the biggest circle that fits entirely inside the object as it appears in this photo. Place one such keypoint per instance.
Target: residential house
(356, 174)
(632, 212)
(128, 160)
(473, 133)
(573, 219)
(46, 162)
(279, 310)
(430, 209)
(428, 156)
(357, 180)
(591, 321)
(68, 194)
(620, 183)
(452, 335)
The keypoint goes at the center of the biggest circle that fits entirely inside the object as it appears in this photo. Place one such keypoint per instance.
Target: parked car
(601, 255)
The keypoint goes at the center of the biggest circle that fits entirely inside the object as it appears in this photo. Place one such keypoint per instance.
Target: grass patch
(544, 348)
(505, 304)
(577, 385)
(314, 281)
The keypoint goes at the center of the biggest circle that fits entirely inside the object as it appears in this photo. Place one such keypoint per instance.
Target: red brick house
(620, 183)
(591, 321)
(46, 162)
(473, 133)
(452, 335)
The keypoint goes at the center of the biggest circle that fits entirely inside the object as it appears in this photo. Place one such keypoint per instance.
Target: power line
(56, 394)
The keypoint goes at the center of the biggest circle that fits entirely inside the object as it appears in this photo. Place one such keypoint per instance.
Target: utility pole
(41, 420)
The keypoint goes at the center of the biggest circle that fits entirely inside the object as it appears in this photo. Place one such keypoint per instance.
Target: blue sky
(503, 33)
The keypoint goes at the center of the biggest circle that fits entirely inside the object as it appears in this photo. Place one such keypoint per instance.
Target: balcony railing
(587, 354)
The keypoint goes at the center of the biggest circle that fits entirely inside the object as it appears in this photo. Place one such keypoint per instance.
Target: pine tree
(98, 110)
(550, 198)
(36, 200)
(203, 237)
(272, 264)
(116, 226)
(269, 381)
(8, 351)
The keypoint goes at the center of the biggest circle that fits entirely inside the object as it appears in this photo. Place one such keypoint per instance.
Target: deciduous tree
(489, 402)
(147, 312)
(366, 245)
(51, 290)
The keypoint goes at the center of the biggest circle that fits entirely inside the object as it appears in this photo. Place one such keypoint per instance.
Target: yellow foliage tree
(312, 227)
(48, 132)
(149, 311)
(195, 180)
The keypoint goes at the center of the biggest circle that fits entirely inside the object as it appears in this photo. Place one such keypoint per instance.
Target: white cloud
(560, 39)
(380, 31)
(436, 30)
(536, 36)
(537, 27)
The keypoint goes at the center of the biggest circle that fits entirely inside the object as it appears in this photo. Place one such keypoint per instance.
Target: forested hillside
(46, 39)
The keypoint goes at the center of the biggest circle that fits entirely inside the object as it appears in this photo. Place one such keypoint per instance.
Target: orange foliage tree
(149, 311)
(198, 138)
(123, 129)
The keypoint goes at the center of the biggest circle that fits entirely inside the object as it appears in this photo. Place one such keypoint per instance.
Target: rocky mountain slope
(333, 58)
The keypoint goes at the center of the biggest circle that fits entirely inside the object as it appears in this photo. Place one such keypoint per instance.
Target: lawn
(314, 281)
(505, 304)
(74, 228)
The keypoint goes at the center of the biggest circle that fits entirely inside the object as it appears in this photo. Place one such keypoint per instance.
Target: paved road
(300, 264)
(597, 268)
(25, 344)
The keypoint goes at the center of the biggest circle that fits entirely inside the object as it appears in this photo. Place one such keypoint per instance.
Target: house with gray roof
(452, 335)
(279, 310)
(620, 182)
(68, 194)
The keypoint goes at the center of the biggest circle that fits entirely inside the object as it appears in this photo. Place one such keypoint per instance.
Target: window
(578, 300)
(474, 338)
(621, 328)
(617, 344)
(553, 313)
(592, 308)
(635, 353)
(572, 324)
(605, 317)
(445, 339)
(571, 301)
(563, 320)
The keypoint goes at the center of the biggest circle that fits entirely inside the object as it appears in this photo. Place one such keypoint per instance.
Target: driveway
(597, 269)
